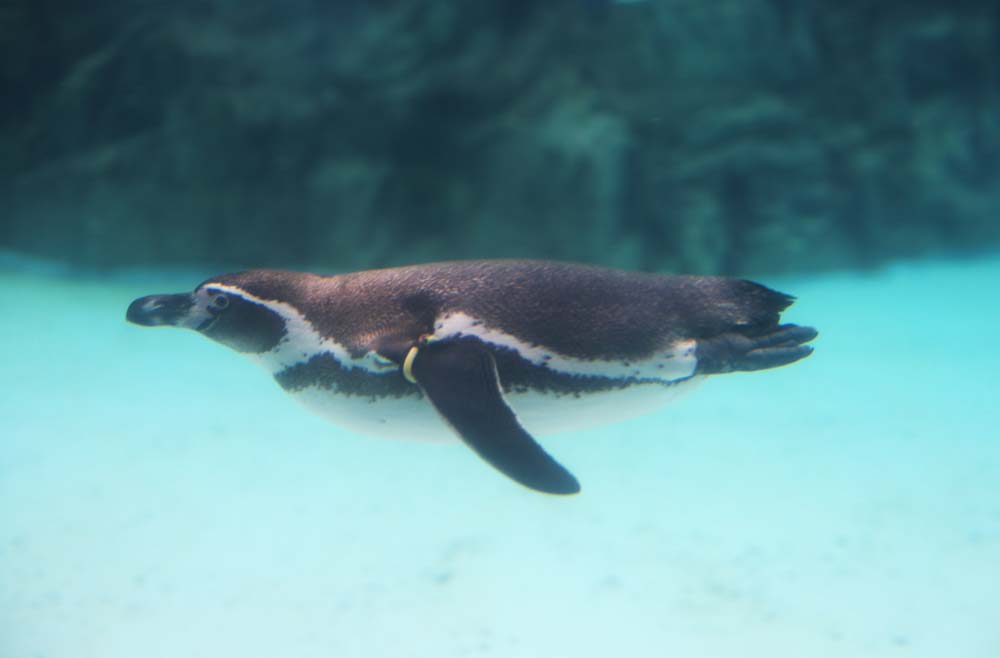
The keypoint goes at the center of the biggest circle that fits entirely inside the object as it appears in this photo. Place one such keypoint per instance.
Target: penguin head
(226, 309)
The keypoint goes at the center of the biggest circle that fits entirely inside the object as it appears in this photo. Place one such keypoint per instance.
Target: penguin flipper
(460, 379)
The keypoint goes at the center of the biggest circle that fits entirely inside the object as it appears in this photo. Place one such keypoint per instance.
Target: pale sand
(160, 497)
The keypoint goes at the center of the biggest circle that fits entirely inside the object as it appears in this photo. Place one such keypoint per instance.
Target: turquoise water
(160, 497)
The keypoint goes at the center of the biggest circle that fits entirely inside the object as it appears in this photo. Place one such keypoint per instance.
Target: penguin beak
(156, 310)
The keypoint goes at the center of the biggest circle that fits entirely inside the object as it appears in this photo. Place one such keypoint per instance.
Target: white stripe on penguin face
(302, 340)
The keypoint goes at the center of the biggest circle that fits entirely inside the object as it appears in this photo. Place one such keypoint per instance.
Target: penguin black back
(578, 310)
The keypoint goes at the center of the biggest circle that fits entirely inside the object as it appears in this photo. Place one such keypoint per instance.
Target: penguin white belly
(409, 417)
(413, 417)
(547, 414)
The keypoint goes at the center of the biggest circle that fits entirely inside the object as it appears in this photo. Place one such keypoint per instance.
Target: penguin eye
(219, 302)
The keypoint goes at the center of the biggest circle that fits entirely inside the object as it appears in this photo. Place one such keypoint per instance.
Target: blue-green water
(160, 497)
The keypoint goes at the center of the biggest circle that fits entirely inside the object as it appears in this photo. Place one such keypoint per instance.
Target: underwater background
(161, 497)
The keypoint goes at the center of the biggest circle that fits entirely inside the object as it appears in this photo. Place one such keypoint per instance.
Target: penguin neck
(300, 341)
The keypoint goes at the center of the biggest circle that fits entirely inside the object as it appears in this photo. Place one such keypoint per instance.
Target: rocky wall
(735, 136)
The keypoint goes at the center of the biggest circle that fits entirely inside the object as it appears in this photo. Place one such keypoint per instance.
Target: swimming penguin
(492, 351)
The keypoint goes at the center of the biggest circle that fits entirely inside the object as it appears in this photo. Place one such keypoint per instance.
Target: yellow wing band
(408, 365)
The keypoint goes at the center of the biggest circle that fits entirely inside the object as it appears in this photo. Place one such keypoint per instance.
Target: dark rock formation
(733, 136)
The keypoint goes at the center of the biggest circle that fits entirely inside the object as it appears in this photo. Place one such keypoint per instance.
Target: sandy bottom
(160, 497)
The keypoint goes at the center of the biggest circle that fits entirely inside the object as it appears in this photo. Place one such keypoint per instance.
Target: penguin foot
(738, 352)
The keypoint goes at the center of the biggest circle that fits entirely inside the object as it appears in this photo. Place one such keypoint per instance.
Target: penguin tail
(733, 352)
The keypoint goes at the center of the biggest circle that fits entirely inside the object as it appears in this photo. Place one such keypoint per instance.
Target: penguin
(491, 351)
